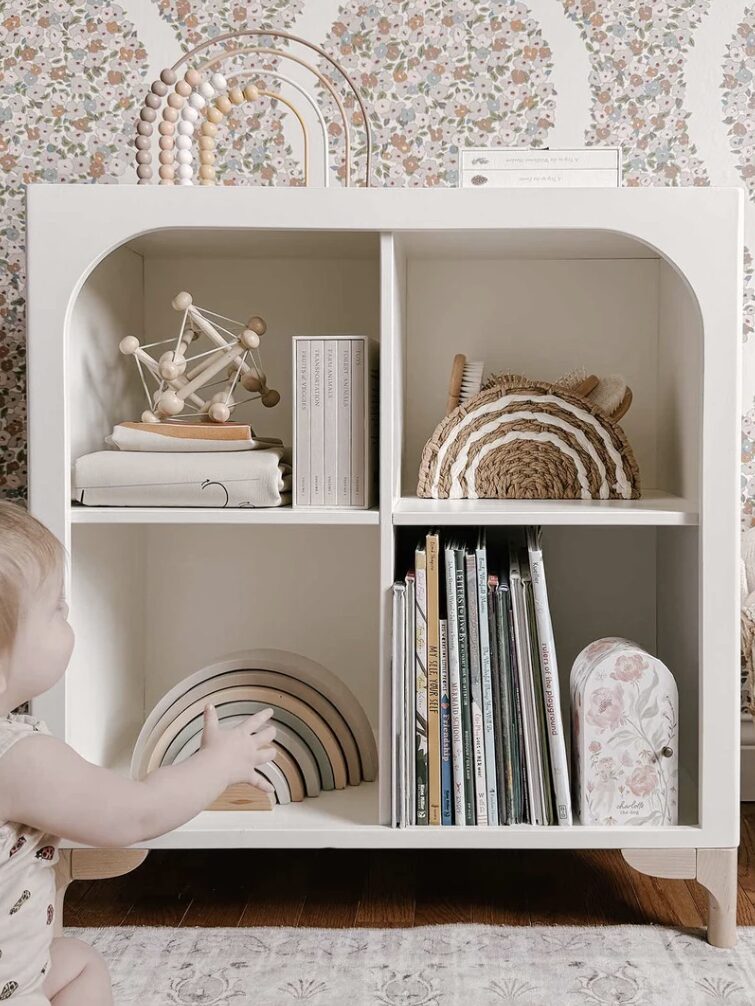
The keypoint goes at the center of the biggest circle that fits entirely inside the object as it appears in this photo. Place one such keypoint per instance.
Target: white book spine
(358, 422)
(302, 421)
(399, 658)
(551, 689)
(317, 427)
(344, 422)
(371, 443)
(487, 684)
(454, 673)
(331, 422)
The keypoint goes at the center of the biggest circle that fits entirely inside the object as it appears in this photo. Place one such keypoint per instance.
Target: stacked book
(479, 738)
(335, 421)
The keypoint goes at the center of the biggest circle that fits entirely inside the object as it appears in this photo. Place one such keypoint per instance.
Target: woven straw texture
(525, 440)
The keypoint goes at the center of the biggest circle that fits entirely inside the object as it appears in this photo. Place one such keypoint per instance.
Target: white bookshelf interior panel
(544, 316)
(326, 284)
(639, 583)
(152, 604)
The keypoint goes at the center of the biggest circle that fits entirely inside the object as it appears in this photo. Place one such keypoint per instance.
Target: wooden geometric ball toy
(233, 359)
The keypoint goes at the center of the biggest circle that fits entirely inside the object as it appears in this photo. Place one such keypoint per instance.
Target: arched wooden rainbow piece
(278, 781)
(316, 747)
(287, 736)
(285, 739)
(233, 714)
(308, 680)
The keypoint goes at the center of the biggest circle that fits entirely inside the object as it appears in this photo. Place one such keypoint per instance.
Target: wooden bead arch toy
(191, 108)
(234, 355)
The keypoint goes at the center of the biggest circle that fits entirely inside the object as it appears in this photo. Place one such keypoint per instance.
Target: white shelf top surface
(654, 508)
(217, 515)
(348, 818)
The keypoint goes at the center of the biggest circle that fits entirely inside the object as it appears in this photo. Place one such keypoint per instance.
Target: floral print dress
(27, 891)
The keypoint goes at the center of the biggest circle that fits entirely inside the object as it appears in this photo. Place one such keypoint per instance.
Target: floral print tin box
(625, 736)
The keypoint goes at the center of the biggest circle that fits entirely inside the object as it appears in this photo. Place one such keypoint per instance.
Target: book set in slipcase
(335, 421)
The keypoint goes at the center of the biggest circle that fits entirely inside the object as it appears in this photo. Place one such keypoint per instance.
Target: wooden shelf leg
(717, 872)
(90, 864)
(714, 869)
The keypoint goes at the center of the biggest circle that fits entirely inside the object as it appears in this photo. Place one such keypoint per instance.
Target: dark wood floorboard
(388, 888)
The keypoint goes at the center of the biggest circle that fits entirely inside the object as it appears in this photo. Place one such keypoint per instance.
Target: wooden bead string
(185, 103)
(218, 111)
(326, 83)
(190, 96)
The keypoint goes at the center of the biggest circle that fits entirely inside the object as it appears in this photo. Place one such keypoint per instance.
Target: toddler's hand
(241, 749)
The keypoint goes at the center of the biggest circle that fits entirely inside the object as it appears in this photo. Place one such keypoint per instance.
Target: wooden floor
(353, 888)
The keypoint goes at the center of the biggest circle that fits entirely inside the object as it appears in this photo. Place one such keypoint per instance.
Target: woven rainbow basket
(521, 439)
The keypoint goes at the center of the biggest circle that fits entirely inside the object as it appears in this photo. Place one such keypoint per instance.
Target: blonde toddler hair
(29, 553)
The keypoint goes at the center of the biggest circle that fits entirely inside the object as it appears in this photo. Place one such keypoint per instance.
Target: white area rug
(432, 966)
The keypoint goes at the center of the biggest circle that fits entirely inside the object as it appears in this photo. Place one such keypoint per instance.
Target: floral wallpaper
(434, 73)
(637, 62)
(73, 74)
(71, 82)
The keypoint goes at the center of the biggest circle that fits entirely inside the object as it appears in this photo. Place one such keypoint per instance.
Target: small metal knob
(667, 752)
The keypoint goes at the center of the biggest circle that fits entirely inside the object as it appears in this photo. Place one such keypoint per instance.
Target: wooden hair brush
(465, 381)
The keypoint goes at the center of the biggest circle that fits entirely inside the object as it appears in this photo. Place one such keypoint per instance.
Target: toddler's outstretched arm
(44, 783)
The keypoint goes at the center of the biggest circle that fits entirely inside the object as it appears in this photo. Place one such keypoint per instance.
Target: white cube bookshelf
(643, 282)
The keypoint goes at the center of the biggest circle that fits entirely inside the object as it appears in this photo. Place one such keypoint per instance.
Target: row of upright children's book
(479, 738)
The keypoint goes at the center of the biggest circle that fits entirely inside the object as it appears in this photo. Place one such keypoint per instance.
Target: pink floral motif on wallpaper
(739, 97)
(435, 75)
(70, 82)
(251, 145)
(638, 53)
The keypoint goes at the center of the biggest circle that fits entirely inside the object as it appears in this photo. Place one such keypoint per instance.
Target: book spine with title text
(446, 783)
(302, 490)
(330, 426)
(343, 435)
(358, 406)
(551, 689)
(483, 630)
(454, 673)
(317, 425)
(475, 690)
(466, 704)
(432, 545)
(420, 667)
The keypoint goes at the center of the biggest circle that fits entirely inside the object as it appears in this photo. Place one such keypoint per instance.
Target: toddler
(47, 791)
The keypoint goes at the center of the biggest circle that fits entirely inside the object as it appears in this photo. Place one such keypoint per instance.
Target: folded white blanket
(142, 478)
